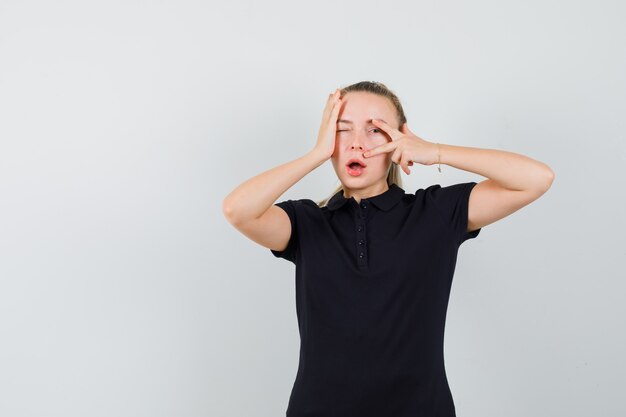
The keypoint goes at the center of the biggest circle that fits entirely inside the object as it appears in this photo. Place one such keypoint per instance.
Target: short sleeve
(452, 203)
(290, 251)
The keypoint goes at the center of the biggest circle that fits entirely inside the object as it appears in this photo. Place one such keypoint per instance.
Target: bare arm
(250, 207)
(513, 181)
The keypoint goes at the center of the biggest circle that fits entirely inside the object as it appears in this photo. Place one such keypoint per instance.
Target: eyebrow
(350, 121)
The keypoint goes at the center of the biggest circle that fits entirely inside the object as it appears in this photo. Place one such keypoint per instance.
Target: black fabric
(372, 287)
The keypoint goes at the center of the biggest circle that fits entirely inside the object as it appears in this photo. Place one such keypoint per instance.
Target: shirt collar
(384, 201)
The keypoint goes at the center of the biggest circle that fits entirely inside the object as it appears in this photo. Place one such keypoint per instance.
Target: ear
(403, 128)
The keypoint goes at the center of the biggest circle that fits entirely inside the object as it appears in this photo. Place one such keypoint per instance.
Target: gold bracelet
(439, 157)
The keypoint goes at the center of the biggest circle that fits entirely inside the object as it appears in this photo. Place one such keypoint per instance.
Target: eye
(376, 129)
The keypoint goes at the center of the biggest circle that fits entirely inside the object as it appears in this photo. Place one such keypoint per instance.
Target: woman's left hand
(407, 147)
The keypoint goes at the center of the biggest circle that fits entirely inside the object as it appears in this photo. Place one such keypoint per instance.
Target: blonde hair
(393, 177)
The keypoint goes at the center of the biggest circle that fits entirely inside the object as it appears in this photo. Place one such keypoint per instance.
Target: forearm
(510, 170)
(253, 197)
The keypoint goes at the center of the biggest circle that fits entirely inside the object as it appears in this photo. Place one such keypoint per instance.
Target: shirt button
(360, 228)
(361, 255)
(361, 242)
(363, 205)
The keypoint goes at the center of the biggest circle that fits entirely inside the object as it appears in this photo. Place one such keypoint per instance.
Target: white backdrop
(123, 125)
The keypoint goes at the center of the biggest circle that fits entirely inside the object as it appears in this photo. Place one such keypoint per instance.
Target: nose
(357, 143)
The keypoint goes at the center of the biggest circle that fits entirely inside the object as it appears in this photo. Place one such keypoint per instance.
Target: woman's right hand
(325, 145)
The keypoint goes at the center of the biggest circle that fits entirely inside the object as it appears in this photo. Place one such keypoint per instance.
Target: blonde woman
(374, 264)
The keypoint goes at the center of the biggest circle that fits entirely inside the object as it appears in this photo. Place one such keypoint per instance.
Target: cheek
(379, 162)
(336, 157)
(380, 140)
(376, 142)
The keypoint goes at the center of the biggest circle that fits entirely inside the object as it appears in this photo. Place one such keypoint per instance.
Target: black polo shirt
(372, 287)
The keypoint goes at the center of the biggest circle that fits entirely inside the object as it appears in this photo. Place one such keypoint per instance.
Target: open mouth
(355, 167)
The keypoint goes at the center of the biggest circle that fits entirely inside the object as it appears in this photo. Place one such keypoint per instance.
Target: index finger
(387, 147)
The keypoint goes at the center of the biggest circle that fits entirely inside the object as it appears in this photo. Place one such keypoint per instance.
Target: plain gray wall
(123, 125)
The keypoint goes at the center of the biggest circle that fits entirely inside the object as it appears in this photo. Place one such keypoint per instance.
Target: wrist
(435, 153)
(438, 155)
